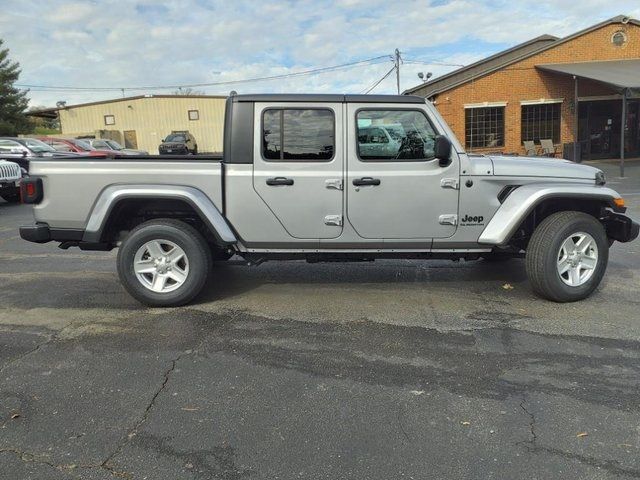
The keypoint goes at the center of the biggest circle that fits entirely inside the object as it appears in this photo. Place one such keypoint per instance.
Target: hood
(541, 167)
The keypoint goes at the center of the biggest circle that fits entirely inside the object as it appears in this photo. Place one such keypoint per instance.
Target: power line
(433, 62)
(381, 80)
(315, 71)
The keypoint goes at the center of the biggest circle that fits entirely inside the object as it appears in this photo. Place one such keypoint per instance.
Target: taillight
(31, 190)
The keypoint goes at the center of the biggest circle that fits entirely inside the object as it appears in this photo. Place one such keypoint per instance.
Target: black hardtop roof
(327, 98)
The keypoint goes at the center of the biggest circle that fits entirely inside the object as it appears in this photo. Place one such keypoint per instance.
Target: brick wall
(521, 81)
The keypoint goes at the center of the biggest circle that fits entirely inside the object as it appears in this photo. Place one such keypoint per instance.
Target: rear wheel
(567, 256)
(164, 263)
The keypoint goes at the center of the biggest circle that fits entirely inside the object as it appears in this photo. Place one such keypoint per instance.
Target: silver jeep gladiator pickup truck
(329, 178)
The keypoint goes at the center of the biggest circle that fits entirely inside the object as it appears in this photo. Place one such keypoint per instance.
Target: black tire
(544, 248)
(195, 150)
(183, 235)
(11, 197)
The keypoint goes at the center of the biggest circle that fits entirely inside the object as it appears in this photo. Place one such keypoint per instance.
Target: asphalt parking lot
(394, 369)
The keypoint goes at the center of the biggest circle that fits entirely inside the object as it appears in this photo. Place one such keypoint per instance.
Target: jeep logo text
(469, 219)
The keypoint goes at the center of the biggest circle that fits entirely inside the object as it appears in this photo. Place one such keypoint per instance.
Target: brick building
(572, 89)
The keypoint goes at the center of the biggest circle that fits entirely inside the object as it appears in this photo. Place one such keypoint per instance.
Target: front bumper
(621, 228)
(173, 150)
(9, 184)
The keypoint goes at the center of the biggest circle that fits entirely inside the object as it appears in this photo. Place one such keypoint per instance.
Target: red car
(74, 145)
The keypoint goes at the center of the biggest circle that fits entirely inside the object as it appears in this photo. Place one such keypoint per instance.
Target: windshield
(82, 144)
(175, 138)
(38, 146)
(114, 145)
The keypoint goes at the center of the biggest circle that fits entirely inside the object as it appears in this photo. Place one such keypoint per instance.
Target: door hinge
(333, 220)
(335, 183)
(449, 219)
(450, 183)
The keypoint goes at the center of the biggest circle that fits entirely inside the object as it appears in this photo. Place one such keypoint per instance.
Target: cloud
(122, 43)
(71, 12)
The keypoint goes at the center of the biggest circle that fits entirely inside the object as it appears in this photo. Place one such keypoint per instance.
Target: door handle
(279, 181)
(359, 182)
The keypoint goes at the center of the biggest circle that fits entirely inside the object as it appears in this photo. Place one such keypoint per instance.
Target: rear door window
(298, 135)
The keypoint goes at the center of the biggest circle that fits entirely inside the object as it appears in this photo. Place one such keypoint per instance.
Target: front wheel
(567, 256)
(164, 263)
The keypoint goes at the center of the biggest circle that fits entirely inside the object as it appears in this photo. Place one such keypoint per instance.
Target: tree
(187, 91)
(13, 101)
(43, 125)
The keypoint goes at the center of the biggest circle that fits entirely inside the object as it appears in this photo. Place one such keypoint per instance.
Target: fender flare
(201, 203)
(524, 199)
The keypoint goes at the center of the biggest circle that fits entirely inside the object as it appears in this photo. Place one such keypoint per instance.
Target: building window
(298, 134)
(194, 115)
(484, 127)
(109, 120)
(541, 121)
(619, 38)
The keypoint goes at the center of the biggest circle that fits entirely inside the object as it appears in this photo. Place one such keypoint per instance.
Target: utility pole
(397, 62)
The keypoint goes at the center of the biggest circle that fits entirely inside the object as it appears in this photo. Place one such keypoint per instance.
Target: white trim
(595, 98)
(485, 104)
(542, 101)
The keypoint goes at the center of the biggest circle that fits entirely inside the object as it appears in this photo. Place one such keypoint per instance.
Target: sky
(144, 44)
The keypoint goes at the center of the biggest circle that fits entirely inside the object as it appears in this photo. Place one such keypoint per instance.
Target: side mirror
(442, 150)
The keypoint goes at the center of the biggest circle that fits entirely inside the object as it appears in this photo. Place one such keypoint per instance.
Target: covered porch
(605, 126)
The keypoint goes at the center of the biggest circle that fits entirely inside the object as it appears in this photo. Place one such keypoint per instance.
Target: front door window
(394, 135)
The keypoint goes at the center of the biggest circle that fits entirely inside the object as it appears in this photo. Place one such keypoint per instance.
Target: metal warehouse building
(143, 121)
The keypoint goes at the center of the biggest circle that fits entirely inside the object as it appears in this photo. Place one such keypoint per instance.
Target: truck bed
(70, 181)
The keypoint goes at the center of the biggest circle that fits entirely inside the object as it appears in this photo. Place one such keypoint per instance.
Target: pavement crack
(29, 457)
(531, 443)
(145, 414)
(27, 353)
(401, 425)
(51, 338)
(611, 466)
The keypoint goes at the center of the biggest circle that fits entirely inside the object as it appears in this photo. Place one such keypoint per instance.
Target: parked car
(178, 143)
(10, 175)
(74, 145)
(106, 144)
(23, 150)
(296, 185)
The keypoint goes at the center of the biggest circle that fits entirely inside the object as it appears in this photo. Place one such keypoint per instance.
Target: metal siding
(153, 118)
